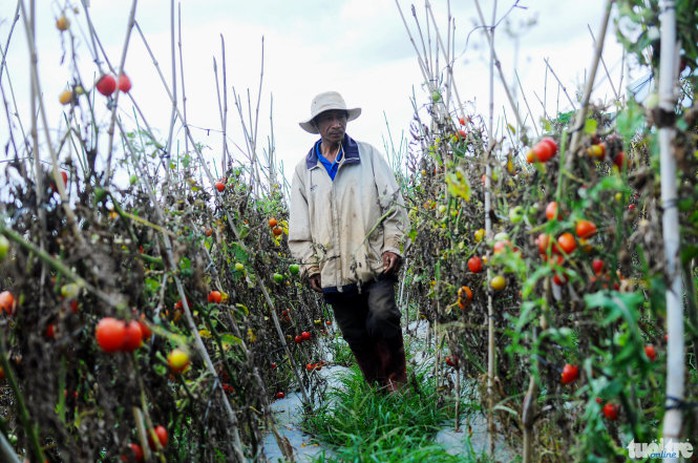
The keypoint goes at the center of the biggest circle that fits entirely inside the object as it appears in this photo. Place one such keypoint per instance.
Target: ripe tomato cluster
(276, 229)
(543, 151)
(114, 335)
(304, 336)
(107, 84)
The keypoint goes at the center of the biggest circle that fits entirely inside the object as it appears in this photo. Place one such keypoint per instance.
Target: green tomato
(70, 291)
(133, 179)
(278, 278)
(294, 269)
(435, 96)
(100, 194)
(4, 247)
(239, 267)
(501, 236)
(516, 214)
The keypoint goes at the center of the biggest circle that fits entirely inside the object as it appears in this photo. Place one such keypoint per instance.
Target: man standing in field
(347, 227)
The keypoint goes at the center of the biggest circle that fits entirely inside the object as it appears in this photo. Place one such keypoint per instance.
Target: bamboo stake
(115, 106)
(670, 227)
(577, 131)
(488, 232)
(489, 31)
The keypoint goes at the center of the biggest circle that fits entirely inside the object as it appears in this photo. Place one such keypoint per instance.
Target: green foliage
(363, 424)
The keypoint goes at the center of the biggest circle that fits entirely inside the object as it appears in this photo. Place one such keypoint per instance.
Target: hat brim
(308, 126)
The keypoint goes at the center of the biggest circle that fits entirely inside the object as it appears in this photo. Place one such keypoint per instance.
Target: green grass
(361, 424)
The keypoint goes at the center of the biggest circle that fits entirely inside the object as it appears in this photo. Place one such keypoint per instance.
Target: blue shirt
(330, 167)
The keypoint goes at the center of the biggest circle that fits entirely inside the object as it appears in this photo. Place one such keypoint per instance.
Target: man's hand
(315, 284)
(391, 263)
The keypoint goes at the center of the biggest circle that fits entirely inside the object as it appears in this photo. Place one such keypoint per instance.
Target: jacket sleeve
(300, 238)
(395, 223)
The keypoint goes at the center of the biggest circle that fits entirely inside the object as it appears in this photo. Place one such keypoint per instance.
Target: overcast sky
(358, 47)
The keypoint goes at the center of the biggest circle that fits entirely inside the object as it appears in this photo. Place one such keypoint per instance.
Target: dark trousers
(370, 323)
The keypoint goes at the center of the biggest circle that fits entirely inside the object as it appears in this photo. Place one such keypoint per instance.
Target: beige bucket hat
(327, 101)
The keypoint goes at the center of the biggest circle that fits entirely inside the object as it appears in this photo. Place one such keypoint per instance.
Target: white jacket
(341, 228)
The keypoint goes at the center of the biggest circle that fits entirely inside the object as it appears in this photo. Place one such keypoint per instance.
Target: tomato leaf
(458, 185)
(590, 126)
(228, 339)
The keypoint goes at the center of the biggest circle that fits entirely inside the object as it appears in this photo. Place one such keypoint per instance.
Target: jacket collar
(351, 153)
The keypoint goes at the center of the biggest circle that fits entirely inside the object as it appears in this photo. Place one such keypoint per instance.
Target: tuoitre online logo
(660, 449)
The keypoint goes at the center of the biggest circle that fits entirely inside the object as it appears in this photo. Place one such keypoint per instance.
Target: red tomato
(551, 145)
(133, 336)
(305, 335)
(551, 210)
(124, 83)
(298, 339)
(559, 279)
(585, 229)
(51, 331)
(110, 334)
(545, 149)
(597, 266)
(500, 246)
(650, 352)
(543, 242)
(464, 294)
(619, 160)
(220, 186)
(106, 85)
(215, 297)
(280, 395)
(451, 361)
(135, 451)
(610, 411)
(273, 222)
(7, 302)
(569, 373)
(461, 120)
(161, 434)
(475, 264)
(567, 242)
(277, 230)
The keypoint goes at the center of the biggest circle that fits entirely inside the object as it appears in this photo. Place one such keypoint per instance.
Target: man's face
(332, 125)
